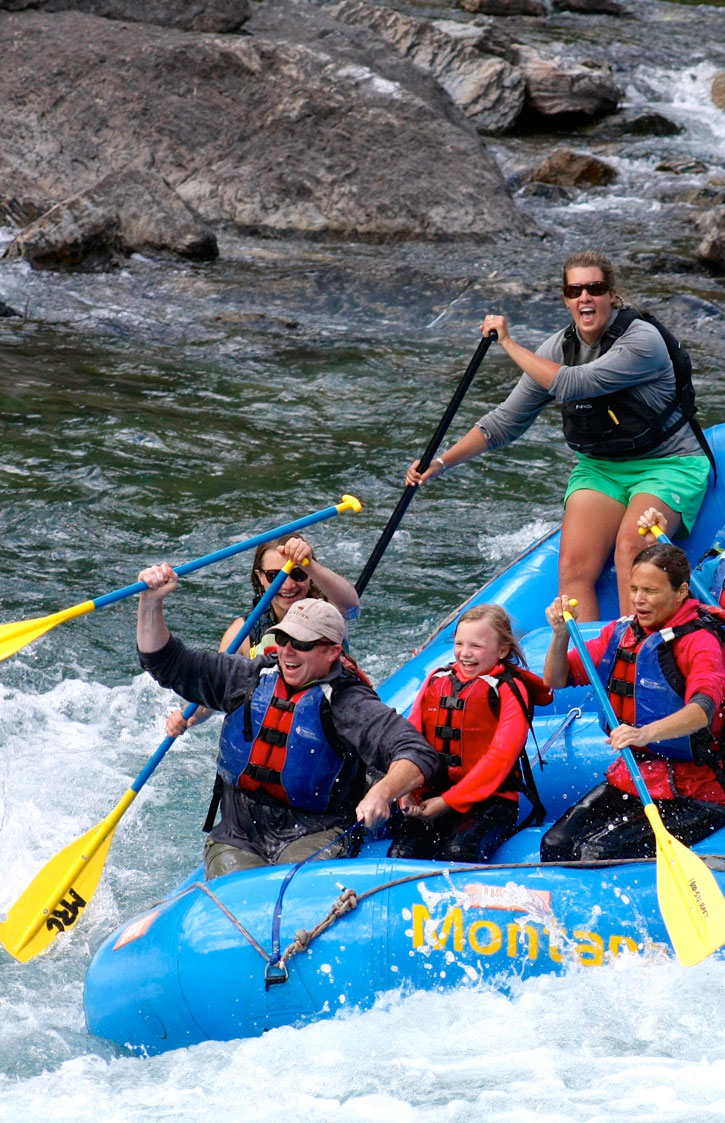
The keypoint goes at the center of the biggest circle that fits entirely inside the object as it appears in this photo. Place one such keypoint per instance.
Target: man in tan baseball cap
(301, 729)
(310, 620)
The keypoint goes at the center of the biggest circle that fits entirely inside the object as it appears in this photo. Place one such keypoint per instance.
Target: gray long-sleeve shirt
(637, 361)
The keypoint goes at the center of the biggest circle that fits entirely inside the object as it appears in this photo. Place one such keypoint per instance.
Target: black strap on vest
(684, 391)
(216, 798)
(527, 782)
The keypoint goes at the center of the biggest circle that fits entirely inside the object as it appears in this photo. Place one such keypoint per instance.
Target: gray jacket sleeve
(218, 681)
(514, 415)
(377, 733)
(637, 360)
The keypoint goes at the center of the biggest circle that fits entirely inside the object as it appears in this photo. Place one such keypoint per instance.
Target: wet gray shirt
(637, 361)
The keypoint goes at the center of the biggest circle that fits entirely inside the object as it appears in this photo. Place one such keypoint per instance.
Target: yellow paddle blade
(57, 895)
(691, 901)
(15, 636)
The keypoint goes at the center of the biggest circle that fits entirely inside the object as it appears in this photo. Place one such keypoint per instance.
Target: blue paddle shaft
(258, 611)
(603, 698)
(219, 555)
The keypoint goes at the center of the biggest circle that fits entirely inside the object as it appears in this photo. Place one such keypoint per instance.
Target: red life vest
(459, 717)
(644, 684)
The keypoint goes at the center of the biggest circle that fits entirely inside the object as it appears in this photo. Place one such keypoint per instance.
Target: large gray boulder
(488, 90)
(190, 15)
(711, 250)
(556, 87)
(329, 137)
(132, 212)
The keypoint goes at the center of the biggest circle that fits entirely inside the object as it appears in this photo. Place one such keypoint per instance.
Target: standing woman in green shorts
(614, 398)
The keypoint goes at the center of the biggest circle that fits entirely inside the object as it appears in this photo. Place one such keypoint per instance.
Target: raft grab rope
(349, 899)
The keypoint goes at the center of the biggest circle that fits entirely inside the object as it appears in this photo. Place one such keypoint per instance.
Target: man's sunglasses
(297, 574)
(282, 639)
(594, 288)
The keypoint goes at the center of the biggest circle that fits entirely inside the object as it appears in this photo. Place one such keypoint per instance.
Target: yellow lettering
(452, 920)
(554, 952)
(516, 931)
(591, 952)
(494, 933)
(618, 943)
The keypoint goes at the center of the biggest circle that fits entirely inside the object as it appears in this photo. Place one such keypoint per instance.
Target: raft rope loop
(276, 969)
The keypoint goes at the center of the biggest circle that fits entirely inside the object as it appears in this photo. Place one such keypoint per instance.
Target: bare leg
(630, 542)
(588, 534)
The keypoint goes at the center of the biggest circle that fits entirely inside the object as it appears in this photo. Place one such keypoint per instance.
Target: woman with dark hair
(612, 374)
(663, 671)
(305, 581)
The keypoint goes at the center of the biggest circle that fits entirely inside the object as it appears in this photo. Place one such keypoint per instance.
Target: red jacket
(496, 761)
(699, 657)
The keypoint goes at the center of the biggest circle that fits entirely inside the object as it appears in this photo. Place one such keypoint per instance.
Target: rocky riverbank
(142, 126)
(155, 125)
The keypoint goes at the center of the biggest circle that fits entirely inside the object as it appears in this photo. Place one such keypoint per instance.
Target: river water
(166, 410)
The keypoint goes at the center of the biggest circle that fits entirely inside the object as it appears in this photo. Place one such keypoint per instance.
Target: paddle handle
(348, 503)
(702, 593)
(603, 699)
(424, 464)
(259, 609)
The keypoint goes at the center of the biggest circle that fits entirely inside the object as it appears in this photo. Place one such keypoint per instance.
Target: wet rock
(711, 250)
(658, 263)
(718, 89)
(189, 15)
(695, 308)
(681, 165)
(133, 212)
(596, 7)
(507, 7)
(641, 124)
(706, 196)
(559, 89)
(567, 168)
(335, 137)
(489, 36)
(488, 90)
(74, 233)
(554, 192)
(6, 311)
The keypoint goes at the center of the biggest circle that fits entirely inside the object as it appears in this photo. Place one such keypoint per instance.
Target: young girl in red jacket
(476, 712)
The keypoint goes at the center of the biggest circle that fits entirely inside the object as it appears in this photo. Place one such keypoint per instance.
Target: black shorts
(607, 823)
(456, 837)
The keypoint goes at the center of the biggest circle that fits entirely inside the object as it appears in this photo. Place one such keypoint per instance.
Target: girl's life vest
(283, 747)
(459, 718)
(645, 684)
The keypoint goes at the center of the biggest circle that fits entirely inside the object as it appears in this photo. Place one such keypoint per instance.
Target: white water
(639, 1040)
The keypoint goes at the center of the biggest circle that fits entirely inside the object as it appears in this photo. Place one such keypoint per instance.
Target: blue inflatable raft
(285, 945)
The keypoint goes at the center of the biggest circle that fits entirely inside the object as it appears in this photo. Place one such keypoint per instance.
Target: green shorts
(679, 481)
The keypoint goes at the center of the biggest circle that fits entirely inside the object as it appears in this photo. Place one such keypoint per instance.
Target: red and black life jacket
(459, 719)
(645, 684)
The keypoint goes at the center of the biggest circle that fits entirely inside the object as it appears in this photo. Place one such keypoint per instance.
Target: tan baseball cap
(312, 619)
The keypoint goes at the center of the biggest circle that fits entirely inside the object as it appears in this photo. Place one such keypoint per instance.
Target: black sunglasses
(594, 288)
(297, 574)
(282, 639)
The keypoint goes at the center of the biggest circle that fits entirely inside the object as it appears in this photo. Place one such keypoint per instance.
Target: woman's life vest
(618, 426)
(459, 718)
(284, 747)
(645, 684)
